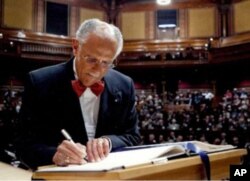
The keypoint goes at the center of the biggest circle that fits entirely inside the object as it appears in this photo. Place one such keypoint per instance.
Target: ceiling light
(163, 2)
(167, 26)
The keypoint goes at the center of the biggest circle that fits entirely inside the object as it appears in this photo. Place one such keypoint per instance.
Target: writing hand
(69, 152)
(97, 149)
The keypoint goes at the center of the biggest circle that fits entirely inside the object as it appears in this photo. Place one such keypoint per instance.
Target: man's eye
(91, 60)
(105, 63)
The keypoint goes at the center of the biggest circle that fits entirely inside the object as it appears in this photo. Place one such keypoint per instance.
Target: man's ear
(75, 46)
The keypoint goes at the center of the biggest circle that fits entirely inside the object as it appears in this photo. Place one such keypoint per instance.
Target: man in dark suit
(100, 119)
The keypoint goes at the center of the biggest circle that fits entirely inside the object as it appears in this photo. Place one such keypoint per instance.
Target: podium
(189, 168)
(9, 172)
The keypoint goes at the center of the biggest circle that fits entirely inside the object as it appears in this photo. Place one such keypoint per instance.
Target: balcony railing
(147, 53)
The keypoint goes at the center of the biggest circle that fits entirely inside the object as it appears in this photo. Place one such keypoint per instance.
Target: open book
(191, 147)
(139, 155)
(124, 159)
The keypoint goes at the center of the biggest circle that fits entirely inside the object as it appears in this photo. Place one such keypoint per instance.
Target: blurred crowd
(190, 115)
(169, 117)
(10, 103)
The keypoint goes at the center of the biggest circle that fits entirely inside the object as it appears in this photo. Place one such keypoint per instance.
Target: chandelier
(163, 2)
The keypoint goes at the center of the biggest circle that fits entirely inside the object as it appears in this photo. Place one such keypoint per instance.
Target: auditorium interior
(190, 62)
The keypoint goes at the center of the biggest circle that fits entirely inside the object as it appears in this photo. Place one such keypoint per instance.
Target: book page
(198, 146)
(123, 159)
(211, 147)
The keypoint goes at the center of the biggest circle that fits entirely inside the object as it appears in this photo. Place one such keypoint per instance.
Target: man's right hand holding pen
(69, 152)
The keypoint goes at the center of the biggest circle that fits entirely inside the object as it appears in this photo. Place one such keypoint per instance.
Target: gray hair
(101, 29)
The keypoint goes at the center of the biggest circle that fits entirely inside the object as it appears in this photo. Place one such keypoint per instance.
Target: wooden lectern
(9, 172)
(189, 168)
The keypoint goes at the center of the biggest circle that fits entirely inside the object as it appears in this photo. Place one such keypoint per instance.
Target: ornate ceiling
(139, 2)
(151, 4)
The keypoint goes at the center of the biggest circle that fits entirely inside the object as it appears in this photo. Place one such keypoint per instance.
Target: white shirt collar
(74, 69)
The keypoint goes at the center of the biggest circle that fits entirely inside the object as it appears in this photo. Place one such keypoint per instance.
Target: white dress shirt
(90, 108)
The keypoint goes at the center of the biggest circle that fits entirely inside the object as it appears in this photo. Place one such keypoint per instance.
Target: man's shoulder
(115, 75)
(48, 69)
(115, 80)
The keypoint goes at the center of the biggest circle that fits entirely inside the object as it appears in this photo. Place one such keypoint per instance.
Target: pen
(66, 135)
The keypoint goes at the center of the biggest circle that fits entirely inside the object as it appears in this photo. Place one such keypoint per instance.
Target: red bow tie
(96, 88)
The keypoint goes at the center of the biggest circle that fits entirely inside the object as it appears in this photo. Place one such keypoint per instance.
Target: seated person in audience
(100, 119)
(161, 139)
(151, 139)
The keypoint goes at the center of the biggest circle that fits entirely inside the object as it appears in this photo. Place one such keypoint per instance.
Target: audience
(9, 108)
(194, 118)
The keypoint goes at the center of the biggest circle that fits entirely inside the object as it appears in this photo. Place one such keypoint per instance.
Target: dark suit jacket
(50, 104)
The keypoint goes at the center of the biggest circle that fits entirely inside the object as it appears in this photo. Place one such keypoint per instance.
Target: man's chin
(88, 84)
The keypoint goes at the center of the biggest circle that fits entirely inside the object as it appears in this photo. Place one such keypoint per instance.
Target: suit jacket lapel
(109, 96)
(74, 108)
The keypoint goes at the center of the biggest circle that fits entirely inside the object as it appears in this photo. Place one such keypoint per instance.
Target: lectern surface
(8, 172)
(189, 168)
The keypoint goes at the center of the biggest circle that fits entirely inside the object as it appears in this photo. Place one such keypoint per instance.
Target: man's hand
(69, 153)
(98, 149)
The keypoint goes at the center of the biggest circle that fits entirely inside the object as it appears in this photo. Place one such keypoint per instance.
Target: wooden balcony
(43, 47)
(231, 49)
(35, 46)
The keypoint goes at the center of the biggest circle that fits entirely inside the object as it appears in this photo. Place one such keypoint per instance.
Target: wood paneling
(150, 25)
(241, 17)
(74, 20)
(201, 22)
(89, 13)
(18, 14)
(1, 13)
(133, 25)
(91, 4)
(183, 23)
(40, 16)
